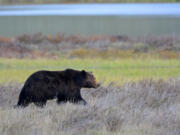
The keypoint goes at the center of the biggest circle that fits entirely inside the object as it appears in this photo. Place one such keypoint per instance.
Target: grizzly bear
(63, 85)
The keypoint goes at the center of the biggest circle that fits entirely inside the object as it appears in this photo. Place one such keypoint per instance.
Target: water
(90, 19)
(92, 9)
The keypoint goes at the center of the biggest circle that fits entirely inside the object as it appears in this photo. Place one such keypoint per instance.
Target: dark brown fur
(63, 85)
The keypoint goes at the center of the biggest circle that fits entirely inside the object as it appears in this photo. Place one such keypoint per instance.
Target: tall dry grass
(142, 108)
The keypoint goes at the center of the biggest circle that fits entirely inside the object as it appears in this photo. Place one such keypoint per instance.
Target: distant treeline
(81, 1)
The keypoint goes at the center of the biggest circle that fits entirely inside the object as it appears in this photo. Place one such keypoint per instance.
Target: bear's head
(90, 80)
(82, 78)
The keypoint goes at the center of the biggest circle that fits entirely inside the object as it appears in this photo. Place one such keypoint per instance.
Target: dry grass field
(137, 108)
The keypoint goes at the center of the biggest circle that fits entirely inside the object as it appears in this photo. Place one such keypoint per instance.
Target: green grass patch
(106, 70)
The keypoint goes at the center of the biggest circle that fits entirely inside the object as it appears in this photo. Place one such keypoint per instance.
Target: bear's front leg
(78, 100)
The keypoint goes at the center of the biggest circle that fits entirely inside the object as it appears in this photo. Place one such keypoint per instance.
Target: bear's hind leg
(40, 104)
(23, 101)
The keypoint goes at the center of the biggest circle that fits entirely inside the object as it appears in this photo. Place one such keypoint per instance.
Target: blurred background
(81, 1)
(118, 39)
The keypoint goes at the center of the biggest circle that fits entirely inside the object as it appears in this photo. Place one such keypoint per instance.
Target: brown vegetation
(119, 46)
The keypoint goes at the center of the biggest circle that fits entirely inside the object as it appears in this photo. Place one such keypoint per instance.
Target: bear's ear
(83, 72)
